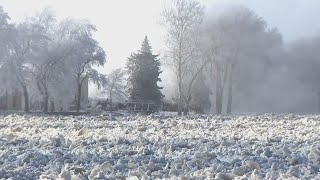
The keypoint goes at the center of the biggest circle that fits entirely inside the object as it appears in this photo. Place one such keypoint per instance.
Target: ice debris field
(158, 147)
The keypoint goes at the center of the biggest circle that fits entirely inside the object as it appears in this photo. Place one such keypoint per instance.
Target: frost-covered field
(212, 147)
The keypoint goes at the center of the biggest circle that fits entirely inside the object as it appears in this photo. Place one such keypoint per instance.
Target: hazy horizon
(123, 24)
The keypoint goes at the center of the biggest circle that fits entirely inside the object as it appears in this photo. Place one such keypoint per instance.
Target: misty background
(284, 80)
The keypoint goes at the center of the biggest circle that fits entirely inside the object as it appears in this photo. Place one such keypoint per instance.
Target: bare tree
(87, 55)
(67, 55)
(48, 61)
(115, 87)
(182, 21)
(51, 63)
(25, 36)
(214, 50)
(43, 61)
(236, 35)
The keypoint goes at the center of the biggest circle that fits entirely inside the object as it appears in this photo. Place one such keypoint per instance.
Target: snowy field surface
(146, 147)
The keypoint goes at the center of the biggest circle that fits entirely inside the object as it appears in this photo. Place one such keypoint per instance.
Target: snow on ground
(146, 147)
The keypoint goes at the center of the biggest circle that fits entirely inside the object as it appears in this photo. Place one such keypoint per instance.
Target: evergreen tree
(144, 69)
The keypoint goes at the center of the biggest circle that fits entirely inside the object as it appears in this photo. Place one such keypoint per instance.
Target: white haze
(122, 24)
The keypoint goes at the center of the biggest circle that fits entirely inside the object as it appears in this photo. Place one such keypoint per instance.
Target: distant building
(15, 101)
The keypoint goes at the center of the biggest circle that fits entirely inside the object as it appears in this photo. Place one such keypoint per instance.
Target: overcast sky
(122, 24)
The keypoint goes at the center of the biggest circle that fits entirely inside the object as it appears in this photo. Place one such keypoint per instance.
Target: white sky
(122, 24)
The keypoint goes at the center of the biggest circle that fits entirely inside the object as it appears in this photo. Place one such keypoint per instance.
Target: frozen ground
(199, 147)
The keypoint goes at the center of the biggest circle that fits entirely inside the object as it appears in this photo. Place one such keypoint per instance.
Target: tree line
(221, 62)
(233, 59)
(48, 60)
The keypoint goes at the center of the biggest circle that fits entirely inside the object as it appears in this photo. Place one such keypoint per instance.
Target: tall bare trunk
(187, 106)
(52, 107)
(42, 87)
(6, 101)
(230, 83)
(79, 98)
(26, 98)
(318, 108)
(45, 103)
(186, 111)
(180, 94)
(219, 93)
(46, 98)
(110, 97)
(219, 102)
(180, 105)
